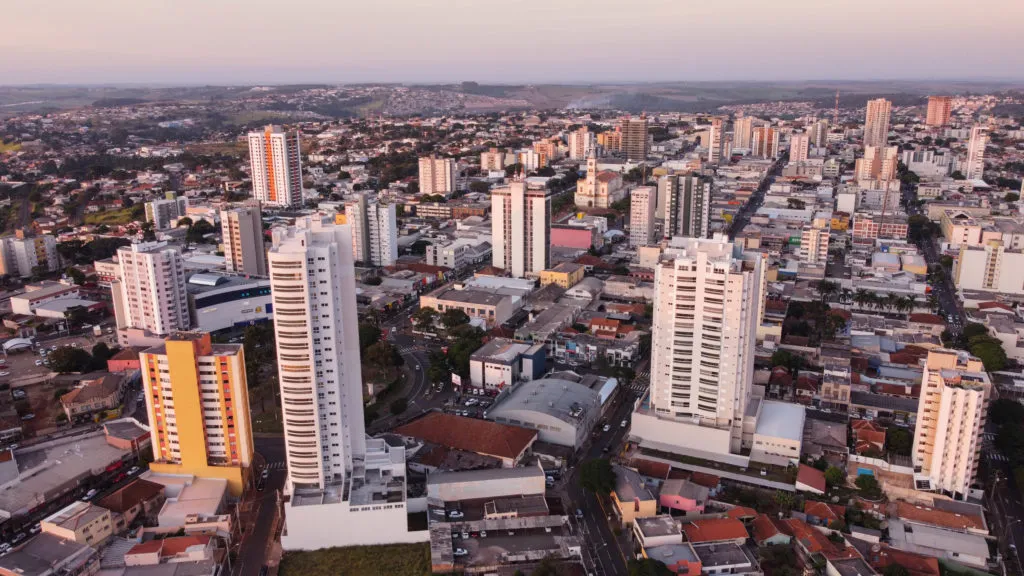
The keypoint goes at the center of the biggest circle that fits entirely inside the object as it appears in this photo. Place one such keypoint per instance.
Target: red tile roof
(766, 527)
(715, 530)
(126, 498)
(741, 512)
(825, 511)
(816, 542)
(811, 477)
(935, 517)
(651, 468)
(470, 434)
(991, 305)
(922, 318)
(706, 480)
(916, 564)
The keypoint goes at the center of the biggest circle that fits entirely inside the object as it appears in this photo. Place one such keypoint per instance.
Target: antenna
(835, 113)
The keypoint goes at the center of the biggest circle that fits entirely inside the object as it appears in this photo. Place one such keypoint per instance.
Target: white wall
(330, 525)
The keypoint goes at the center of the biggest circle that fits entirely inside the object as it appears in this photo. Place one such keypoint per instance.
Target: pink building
(575, 237)
(683, 495)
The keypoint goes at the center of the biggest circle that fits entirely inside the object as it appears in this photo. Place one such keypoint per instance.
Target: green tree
(479, 187)
(398, 406)
(69, 359)
(597, 476)
(973, 329)
(424, 319)
(454, 317)
(1005, 411)
(869, 486)
(76, 275)
(647, 567)
(990, 352)
(1011, 197)
(783, 499)
(835, 476)
(368, 336)
(899, 441)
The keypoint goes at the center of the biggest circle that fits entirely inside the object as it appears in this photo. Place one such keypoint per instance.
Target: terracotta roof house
(811, 541)
(93, 396)
(769, 531)
(710, 530)
(916, 564)
(823, 513)
(809, 479)
(742, 513)
(139, 498)
(507, 443)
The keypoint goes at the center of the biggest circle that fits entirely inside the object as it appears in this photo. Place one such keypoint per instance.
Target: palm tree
(844, 295)
(933, 302)
(891, 301)
(862, 297)
(910, 304)
(827, 289)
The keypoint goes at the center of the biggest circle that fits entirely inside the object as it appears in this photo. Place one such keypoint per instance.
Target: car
(579, 513)
(459, 552)
(265, 473)
(39, 362)
(417, 367)
(4, 547)
(29, 416)
(465, 535)
(483, 533)
(623, 424)
(52, 348)
(88, 495)
(606, 427)
(455, 514)
(134, 470)
(5, 373)
(605, 449)
(18, 537)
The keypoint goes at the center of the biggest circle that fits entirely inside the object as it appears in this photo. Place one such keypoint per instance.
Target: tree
(835, 476)
(398, 406)
(100, 354)
(974, 329)
(69, 359)
(795, 204)
(597, 476)
(946, 261)
(479, 187)
(990, 351)
(869, 486)
(1005, 411)
(77, 315)
(76, 275)
(424, 319)
(895, 570)
(783, 499)
(368, 336)
(957, 175)
(1011, 197)
(454, 317)
(899, 441)
(648, 567)
(197, 232)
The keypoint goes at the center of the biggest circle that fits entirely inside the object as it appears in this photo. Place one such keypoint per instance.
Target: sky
(512, 41)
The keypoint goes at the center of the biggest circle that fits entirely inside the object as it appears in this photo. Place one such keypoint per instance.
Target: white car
(460, 552)
(455, 514)
(52, 348)
(607, 427)
(39, 362)
(5, 373)
(623, 424)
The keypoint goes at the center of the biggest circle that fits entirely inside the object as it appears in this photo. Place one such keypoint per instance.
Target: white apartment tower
(274, 155)
(437, 175)
(707, 308)
(686, 204)
(951, 417)
(21, 255)
(581, 141)
(641, 215)
(521, 229)
(493, 160)
(975, 165)
(242, 237)
(716, 138)
(765, 143)
(374, 231)
(742, 132)
(163, 212)
(799, 145)
(814, 239)
(876, 122)
(818, 133)
(152, 289)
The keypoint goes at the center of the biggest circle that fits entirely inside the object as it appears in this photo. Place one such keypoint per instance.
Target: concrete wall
(329, 525)
(683, 438)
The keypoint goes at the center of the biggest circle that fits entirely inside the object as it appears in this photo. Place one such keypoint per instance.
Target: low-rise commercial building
(493, 309)
(503, 362)
(80, 522)
(565, 275)
(562, 412)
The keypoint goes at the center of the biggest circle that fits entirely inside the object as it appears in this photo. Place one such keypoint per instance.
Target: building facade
(951, 417)
(599, 188)
(799, 145)
(992, 268)
(21, 255)
(242, 235)
(742, 132)
(716, 140)
(635, 144)
(521, 229)
(687, 205)
(197, 398)
(162, 213)
(581, 141)
(765, 143)
(437, 175)
(374, 231)
(876, 122)
(643, 202)
(975, 164)
(152, 289)
(275, 159)
(939, 110)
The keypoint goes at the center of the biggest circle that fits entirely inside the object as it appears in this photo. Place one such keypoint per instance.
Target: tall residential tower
(521, 229)
(876, 122)
(242, 236)
(274, 155)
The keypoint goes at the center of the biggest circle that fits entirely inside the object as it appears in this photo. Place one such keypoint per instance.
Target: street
(256, 540)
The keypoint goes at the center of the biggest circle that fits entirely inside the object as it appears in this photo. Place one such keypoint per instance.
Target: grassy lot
(12, 147)
(122, 216)
(393, 560)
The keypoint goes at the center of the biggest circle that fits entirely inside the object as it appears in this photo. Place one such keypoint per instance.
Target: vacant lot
(122, 216)
(393, 560)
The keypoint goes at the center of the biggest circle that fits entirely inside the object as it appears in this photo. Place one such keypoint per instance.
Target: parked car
(455, 514)
(607, 427)
(5, 373)
(39, 362)
(623, 424)
(460, 552)
(88, 495)
(579, 513)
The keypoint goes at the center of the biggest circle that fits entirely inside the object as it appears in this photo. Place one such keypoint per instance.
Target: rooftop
(714, 530)
(781, 420)
(501, 350)
(471, 434)
(74, 515)
(941, 518)
(40, 554)
(468, 296)
(565, 400)
(661, 525)
(630, 486)
(723, 554)
(129, 496)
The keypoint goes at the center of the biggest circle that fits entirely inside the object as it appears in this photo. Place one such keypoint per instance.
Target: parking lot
(495, 547)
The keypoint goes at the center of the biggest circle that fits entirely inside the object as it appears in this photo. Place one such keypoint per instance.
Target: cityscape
(740, 328)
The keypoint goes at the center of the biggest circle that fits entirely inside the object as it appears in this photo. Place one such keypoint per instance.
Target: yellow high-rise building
(198, 407)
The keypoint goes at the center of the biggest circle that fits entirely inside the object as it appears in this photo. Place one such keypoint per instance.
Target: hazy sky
(251, 41)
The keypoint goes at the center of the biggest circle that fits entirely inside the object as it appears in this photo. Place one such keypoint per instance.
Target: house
(962, 547)
(79, 522)
(824, 514)
(510, 444)
(49, 554)
(631, 499)
(915, 564)
(709, 530)
(683, 496)
(125, 360)
(809, 479)
(868, 436)
(742, 513)
(813, 542)
(92, 396)
(140, 498)
(201, 552)
(770, 531)
(825, 439)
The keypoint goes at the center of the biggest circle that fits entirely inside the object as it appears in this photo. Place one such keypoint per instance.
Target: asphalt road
(253, 552)
(743, 215)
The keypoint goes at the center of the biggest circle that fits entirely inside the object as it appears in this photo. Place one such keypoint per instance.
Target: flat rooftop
(469, 296)
(781, 420)
(663, 525)
(501, 350)
(723, 554)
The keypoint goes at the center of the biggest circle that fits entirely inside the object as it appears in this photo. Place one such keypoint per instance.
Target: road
(1007, 517)
(252, 554)
(742, 217)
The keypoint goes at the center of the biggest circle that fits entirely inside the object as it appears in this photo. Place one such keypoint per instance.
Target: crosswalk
(995, 456)
(276, 466)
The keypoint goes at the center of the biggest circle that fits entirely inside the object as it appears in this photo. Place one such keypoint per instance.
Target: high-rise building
(951, 417)
(162, 213)
(687, 205)
(153, 298)
(707, 307)
(642, 202)
(611, 139)
(374, 231)
(521, 229)
(991, 267)
(940, 108)
(581, 142)
(742, 132)
(274, 156)
(876, 122)
(438, 175)
(24, 255)
(242, 236)
(337, 478)
(715, 141)
(547, 152)
(817, 131)
(975, 164)
(799, 144)
(877, 164)
(492, 161)
(198, 405)
(635, 143)
(814, 239)
(765, 143)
